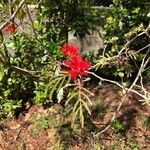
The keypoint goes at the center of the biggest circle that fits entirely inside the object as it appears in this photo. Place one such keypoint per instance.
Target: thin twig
(143, 65)
(142, 86)
(147, 69)
(133, 39)
(10, 8)
(13, 15)
(118, 84)
(20, 70)
(5, 53)
(102, 79)
(143, 48)
(30, 18)
(112, 119)
(25, 72)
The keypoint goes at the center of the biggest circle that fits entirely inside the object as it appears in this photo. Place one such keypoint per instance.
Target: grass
(118, 126)
(145, 121)
(45, 122)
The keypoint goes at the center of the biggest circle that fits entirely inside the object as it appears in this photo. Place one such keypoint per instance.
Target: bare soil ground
(48, 129)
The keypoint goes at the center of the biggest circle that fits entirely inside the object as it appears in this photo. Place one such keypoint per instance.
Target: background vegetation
(31, 69)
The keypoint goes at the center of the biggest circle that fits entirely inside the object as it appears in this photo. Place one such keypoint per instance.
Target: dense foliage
(125, 22)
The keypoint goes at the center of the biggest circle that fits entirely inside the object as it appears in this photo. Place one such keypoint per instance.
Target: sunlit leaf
(60, 95)
(75, 115)
(75, 106)
(86, 106)
(71, 97)
(86, 97)
(81, 116)
(1, 72)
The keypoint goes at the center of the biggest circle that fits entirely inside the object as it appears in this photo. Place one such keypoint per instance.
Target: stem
(112, 119)
(80, 101)
(118, 84)
(13, 15)
(30, 18)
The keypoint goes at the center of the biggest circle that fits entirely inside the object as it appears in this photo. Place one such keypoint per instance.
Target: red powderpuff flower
(78, 66)
(69, 50)
(10, 28)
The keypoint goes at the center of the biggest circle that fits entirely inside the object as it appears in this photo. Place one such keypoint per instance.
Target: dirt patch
(18, 134)
(47, 129)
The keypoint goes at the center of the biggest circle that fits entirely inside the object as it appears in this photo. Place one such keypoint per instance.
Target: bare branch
(118, 84)
(13, 15)
(106, 80)
(112, 119)
(10, 7)
(129, 42)
(30, 18)
(143, 48)
(142, 67)
(20, 70)
(24, 71)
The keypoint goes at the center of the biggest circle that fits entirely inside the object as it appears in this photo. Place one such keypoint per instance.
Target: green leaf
(86, 97)
(121, 74)
(53, 89)
(37, 25)
(21, 14)
(75, 115)
(86, 107)
(52, 82)
(70, 98)
(1, 72)
(61, 84)
(75, 106)
(81, 116)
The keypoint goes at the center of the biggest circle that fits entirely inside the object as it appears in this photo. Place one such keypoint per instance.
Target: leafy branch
(79, 98)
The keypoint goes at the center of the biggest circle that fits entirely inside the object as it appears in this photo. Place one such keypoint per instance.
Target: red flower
(69, 50)
(10, 28)
(77, 66)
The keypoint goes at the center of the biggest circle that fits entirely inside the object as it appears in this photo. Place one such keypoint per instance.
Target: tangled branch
(13, 15)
